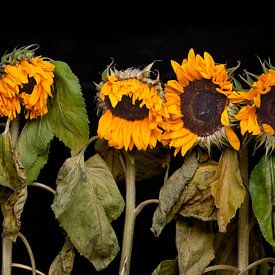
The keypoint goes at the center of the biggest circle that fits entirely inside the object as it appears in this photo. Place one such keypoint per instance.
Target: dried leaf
(195, 248)
(227, 188)
(12, 204)
(63, 262)
(196, 199)
(12, 174)
(170, 194)
(168, 267)
(82, 211)
(155, 159)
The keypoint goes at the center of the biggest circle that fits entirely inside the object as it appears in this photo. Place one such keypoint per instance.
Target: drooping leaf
(112, 158)
(105, 187)
(12, 174)
(227, 188)
(168, 267)
(262, 192)
(153, 159)
(196, 199)
(150, 163)
(80, 212)
(64, 261)
(68, 116)
(195, 248)
(33, 146)
(170, 193)
(226, 248)
(12, 205)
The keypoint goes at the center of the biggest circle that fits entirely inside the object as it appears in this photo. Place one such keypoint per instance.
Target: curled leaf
(63, 262)
(227, 188)
(195, 248)
(170, 193)
(167, 267)
(196, 199)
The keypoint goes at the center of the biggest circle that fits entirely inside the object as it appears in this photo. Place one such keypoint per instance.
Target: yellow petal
(225, 118)
(253, 126)
(268, 129)
(244, 126)
(189, 144)
(104, 123)
(179, 72)
(232, 138)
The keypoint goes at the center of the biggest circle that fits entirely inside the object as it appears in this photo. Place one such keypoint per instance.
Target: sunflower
(25, 79)
(198, 105)
(257, 112)
(133, 108)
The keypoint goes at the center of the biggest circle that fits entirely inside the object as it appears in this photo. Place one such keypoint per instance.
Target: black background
(131, 41)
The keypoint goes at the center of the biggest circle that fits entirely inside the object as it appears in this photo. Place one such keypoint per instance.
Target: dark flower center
(202, 107)
(126, 110)
(266, 113)
(28, 87)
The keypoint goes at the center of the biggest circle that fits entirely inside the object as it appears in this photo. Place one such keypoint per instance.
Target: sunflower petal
(104, 123)
(232, 138)
(268, 129)
(225, 118)
(189, 144)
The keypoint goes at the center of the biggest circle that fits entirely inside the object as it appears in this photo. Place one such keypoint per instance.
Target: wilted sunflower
(257, 116)
(198, 105)
(132, 105)
(26, 79)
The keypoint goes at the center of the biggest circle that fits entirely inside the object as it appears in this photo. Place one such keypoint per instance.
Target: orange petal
(225, 118)
(232, 138)
(189, 144)
(268, 129)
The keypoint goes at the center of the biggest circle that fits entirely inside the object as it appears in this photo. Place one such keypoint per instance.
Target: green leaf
(195, 248)
(170, 193)
(78, 208)
(11, 172)
(227, 188)
(63, 262)
(262, 192)
(68, 116)
(33, 146)
(168, 267)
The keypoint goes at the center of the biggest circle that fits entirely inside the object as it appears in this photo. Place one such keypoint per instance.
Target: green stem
(129, 224)
(243, 226)
(6, 240)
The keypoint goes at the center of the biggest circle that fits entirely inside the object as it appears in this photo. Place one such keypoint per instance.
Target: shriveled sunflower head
(257, 111)
(25, 79)
(198, 104)
(133, 108)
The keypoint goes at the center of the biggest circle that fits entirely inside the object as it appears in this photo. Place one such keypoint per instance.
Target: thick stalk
(6, 255)
(243, 226)
(6, 240)
(129, 224)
